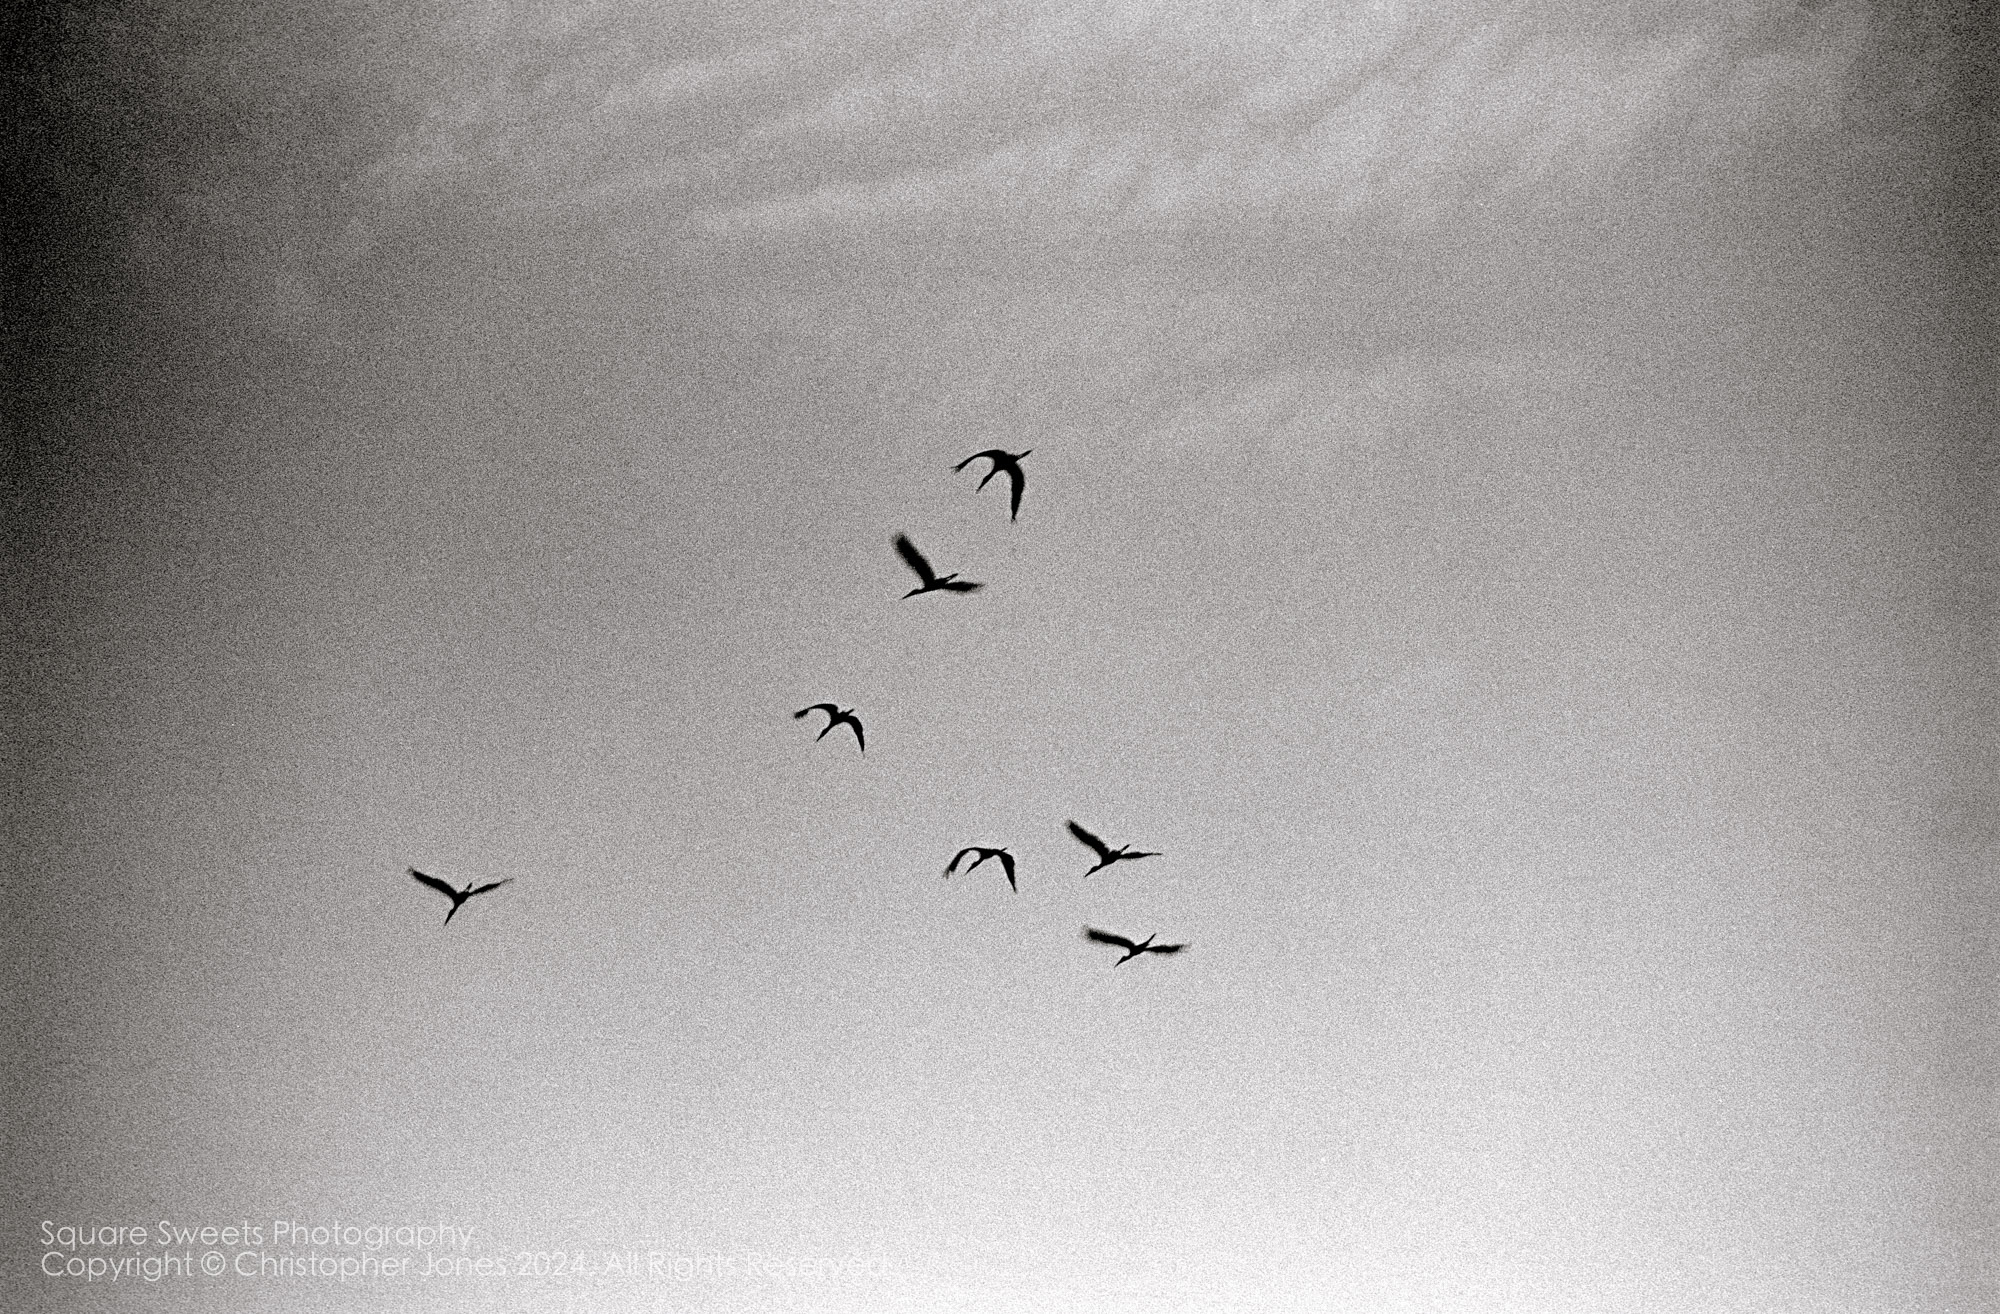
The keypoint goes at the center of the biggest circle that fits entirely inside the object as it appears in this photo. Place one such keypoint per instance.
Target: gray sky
(1510, 518)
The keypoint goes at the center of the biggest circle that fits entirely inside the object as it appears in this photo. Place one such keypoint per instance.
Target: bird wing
(991, 454)
(1106, 937)
(1007, 865)
(859, 738)
(1129, 856)
(915, 559)
(436, 884)
(490, 885)
(956, 858)
(1095, 844)
(828, 708)
(961, 586)
(1020, 482)
(1164, 948)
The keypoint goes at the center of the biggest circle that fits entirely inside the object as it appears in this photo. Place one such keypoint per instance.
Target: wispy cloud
(273, 143)
(1125, 114)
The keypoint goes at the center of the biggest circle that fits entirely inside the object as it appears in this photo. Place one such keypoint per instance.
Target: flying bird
(1006, 863)
(931, 579)
(457, 897)
(1132, 949)
(834, 716)
(1106, 855)
(1007, 461)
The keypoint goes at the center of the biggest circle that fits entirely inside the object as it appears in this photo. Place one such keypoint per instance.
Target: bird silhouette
(1132, 948)
(457, 897)
(1106, 855)
(834, 716)
(931, 579)
(1008, 461)
(1006, 863)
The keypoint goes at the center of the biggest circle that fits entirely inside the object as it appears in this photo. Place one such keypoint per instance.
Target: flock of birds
(929, 581)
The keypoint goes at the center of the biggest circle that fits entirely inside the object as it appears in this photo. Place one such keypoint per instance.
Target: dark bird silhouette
(1006, 863)
(834, 716)
(1106, 855)
(1132, 948)
(931, 579)
(457, 897)
(1008, 461)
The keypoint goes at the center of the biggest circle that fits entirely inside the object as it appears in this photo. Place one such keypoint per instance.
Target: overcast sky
(1509, 519)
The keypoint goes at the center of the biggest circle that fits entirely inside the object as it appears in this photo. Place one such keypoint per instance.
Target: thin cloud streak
(1382, 114)
(260, 167)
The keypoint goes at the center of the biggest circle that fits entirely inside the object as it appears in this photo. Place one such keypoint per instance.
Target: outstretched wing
(1096, 845)
(1106, 937)
(828, 708)
(961, 586)
(957, 858)
(1007, 865)
(490, 885)
(915, 559)
(991, 454)
(859, 738)
(436, 884)
(1164, 948)
(1127, 857)
(1020, 482)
